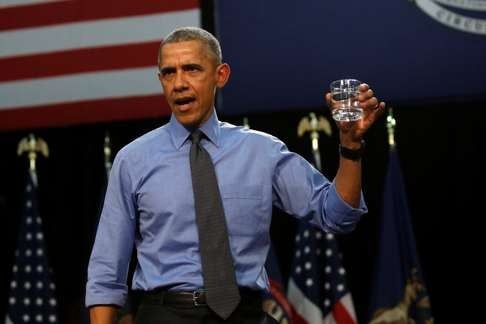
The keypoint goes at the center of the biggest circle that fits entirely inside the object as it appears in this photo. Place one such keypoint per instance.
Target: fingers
(369, 103)
(378, 110)
(363, 87)
(365, 94)
(367, 98)
(381, 108)
(328, 98)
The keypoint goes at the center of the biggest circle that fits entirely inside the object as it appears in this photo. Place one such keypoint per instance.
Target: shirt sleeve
(112, 249)
(301, 190)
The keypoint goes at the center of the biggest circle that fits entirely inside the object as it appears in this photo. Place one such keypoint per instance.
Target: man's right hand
(102, 314)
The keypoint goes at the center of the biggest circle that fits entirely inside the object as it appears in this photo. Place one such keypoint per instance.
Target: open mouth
(184, 101)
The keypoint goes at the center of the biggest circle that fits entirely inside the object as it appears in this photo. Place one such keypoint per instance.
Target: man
(153, 201)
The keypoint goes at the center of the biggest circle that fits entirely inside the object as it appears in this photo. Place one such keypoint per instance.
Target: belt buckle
(196, 295)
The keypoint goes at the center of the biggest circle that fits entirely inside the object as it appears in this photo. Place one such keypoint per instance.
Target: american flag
(275, 302)
(32, 291)
(317, 289)
(75, 61)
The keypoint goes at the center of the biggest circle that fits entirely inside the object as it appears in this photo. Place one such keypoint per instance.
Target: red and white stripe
(305, 311)
(76, 61)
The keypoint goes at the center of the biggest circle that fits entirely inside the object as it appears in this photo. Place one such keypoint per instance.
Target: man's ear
(223, 72)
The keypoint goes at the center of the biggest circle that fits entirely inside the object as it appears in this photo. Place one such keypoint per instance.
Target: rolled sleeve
(344, 216)
(104, 294)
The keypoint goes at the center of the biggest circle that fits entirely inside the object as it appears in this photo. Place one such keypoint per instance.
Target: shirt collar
(180, 133)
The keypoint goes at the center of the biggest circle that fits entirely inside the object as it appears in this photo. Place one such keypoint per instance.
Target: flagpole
(246, 124)
(107, 154)
(32, 145)
(313, 125)
(390, 125)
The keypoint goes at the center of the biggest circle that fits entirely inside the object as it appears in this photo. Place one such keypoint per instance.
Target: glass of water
(344, 100)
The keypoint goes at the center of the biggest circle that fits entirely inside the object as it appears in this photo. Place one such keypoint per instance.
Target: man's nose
(180, 81)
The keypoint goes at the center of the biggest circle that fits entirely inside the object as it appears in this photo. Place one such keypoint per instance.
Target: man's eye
(167, 75)
(192, 68)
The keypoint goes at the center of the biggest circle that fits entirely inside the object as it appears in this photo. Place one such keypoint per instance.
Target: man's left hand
(351, 133)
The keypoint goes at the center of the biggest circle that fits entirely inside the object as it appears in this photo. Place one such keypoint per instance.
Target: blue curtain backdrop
(285, 53)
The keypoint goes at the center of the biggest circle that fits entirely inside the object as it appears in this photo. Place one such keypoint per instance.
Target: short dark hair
(183, 34)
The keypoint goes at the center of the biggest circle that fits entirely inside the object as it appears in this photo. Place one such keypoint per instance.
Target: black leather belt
(192, 298)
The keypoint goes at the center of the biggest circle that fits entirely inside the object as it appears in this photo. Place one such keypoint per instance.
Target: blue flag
(32, 291)
(399, 294)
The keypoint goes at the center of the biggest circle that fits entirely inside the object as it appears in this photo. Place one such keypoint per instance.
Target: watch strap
(352, 154)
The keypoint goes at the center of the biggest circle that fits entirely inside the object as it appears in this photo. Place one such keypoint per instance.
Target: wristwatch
(351, 154)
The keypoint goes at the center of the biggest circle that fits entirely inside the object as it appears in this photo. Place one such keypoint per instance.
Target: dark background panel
(284, 54)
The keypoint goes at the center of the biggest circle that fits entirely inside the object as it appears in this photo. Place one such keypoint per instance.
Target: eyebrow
(190, 66)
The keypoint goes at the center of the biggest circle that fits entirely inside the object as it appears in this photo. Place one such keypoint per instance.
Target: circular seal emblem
(462, 15)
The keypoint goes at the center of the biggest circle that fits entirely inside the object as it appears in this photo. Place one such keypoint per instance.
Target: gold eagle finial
(32, 145)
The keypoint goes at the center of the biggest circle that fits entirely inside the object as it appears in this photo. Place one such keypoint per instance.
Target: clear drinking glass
(344, 100)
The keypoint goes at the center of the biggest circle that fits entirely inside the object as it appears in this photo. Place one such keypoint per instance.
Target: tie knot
(196, 136)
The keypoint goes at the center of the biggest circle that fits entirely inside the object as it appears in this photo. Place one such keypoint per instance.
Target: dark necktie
(222, 294)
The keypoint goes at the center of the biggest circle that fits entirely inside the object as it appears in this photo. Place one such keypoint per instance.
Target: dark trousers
(249, 311)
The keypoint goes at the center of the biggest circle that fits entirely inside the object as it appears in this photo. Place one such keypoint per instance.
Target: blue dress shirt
(149, 203)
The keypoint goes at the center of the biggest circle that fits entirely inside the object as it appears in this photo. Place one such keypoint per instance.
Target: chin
(188, 121)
